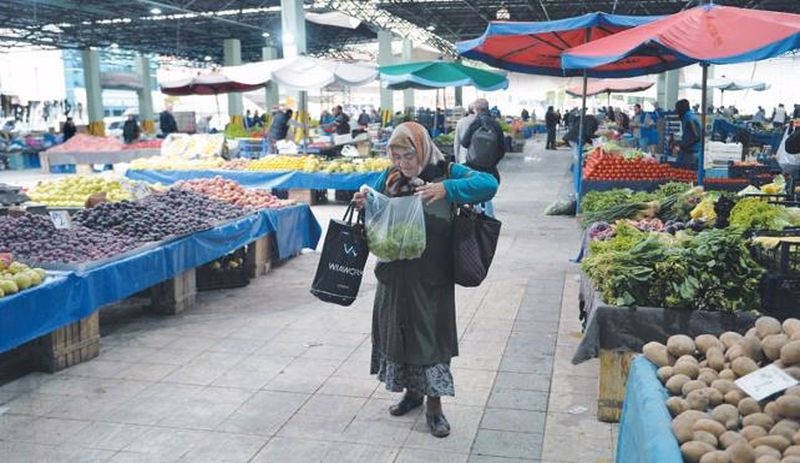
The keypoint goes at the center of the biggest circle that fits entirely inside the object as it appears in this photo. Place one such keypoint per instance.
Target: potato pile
(714, 420)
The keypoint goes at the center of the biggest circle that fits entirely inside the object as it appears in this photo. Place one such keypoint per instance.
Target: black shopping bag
(341, 264)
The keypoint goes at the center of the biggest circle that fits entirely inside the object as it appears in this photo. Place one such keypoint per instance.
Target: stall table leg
(68, 345)
(614, 368)
(259, 255)
(176, 295)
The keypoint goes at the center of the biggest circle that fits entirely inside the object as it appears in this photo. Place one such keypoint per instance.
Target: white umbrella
(303, 73)
(725, 84)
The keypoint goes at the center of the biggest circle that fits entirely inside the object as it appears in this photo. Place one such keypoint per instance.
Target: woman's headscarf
(414, 137)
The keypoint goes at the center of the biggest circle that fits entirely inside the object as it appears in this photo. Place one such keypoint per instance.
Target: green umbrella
(427, 75)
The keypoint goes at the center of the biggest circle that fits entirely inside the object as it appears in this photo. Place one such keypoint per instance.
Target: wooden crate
(259, 256)
(68, 345)
(176, 295)
(614, 368)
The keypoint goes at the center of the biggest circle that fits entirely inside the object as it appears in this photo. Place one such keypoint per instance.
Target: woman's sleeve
(378, 185)
(467, 186)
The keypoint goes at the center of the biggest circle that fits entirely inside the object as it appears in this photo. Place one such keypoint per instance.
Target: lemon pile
(16, 276)
(176, 163)
(73, 191)
(281, 163)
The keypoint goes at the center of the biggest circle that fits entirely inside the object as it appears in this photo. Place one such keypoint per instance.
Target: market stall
(87, 149)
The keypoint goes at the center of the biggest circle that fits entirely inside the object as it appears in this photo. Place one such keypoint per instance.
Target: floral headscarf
(412, 136)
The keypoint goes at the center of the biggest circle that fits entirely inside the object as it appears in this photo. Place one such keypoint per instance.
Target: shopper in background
(525, 115)
(326, 118)
(779, 116)
(414, 334)
(166, 121)
(760, 115)
(637, 125)
(257, 120)
(551, 120)
(483, 118)
(363, 119)
(130, 130)
(280, 125)
(462, 125)
(689, 147)
(204, 124)
(69, 129)
(341, 121)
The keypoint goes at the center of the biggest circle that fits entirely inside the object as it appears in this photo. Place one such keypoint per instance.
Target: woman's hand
(359, 199)
(431, 192)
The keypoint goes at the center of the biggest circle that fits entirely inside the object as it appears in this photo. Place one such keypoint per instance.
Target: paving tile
(225, 447)
(264, 413)
(464, 423)
(341, 451)
(289, 449)
(22, 452)
(40, 430)
(351, 387)
(107, 436)
(518, 399)
(501, 419)
(196, 374)
(527, 363)
(507, 444)
(523, 381)
(196, 343)
(577, 438)
(167, 444)
(409, 455)
(34, 403)
(146, 371)
(296, 382)
(488, 459)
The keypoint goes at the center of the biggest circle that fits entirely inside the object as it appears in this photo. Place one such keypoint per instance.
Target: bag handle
(348, 214)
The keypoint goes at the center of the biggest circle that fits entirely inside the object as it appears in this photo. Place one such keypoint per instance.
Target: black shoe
(438, 425)
(405, 406)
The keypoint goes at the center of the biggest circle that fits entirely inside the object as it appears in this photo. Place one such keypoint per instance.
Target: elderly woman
(414, 332)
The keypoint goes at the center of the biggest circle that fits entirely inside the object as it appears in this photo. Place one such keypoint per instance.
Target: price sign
(60, 219)
(762, 383)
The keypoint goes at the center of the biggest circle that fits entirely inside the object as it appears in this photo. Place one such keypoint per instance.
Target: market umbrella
(725, 84)
(536, 48)
(429, 75)
(211, 83)
(304, 73)
(707, 34)
(609, 86)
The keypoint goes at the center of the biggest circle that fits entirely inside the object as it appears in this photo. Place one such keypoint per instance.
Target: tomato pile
(605, 166)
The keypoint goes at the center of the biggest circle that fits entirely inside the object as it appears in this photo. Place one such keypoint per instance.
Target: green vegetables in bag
(401, 241)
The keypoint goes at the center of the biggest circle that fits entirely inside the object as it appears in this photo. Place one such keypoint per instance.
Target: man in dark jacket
(551, 119)
(341, 121)
(280, 125)
(167, 122)
(363, 118)
(130, 130)
(69, 129)
(484, 118)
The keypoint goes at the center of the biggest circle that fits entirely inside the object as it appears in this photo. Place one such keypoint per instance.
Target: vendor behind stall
(689, 147)
(130, 130)
(341, 121)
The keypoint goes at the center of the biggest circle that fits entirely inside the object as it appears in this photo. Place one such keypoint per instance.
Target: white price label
(60, 219)
(762, 383)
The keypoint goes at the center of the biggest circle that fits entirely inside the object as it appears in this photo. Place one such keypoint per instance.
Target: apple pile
(33, 238)
(16, 277)
(175, 212)
(233, 193)
(73, 191)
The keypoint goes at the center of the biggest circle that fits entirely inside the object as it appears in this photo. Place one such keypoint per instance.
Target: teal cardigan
(464, 186)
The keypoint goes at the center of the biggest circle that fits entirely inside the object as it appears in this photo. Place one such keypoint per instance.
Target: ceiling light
(155, 10)
(503, 14)
(114, 45)
(207, 58)
(265, 34)
(431, 28)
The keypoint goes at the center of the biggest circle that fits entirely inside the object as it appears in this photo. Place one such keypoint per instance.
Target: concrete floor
(267, 373)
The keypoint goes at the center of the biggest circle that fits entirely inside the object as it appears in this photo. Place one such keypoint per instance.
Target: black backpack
(484, 149)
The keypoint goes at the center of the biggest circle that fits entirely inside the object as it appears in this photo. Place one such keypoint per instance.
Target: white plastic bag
(785, 160)
(395, 226)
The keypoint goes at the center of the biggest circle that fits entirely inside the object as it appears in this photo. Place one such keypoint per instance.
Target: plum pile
(33, 238)
(172, 213)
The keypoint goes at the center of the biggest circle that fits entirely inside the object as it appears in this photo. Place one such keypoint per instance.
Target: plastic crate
(16, 161)
(780, 296)
(63, 169)
(783, 259)
(223, 274)
(32, 161)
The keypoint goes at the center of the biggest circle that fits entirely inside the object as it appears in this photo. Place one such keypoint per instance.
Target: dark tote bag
(341, 264)
(474, 242)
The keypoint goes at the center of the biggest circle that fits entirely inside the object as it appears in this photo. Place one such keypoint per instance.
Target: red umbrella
(611, 86)
(212, 83)
(708, 34)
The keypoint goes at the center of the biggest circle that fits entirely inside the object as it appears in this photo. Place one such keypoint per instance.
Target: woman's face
(406, 161)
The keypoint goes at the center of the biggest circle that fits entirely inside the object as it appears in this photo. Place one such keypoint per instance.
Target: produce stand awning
(598, 87)
(212, 83)
(426, 75)
(263, 179)
(729, 85)
(30, 314)
(304, 73)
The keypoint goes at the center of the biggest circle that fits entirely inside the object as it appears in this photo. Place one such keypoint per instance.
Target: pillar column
(232, 56)
(661, 90)
(272, 96)
(671, 88)
(146, 117)
(385, 58)
(408, 95)
(293, 27)
(460, 97)
(94, 93)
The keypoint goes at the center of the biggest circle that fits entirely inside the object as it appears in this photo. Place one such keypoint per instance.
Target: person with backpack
(484, 141)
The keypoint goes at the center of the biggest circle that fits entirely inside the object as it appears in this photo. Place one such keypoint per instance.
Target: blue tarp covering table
(263, 179)
(726, 128)
(69, 297)
(645, 435)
